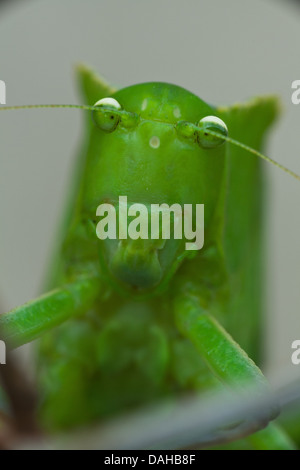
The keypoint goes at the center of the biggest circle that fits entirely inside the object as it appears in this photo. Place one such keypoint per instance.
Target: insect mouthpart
(140, 243)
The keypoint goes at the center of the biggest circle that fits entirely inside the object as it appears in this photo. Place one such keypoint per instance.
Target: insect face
(152, 152)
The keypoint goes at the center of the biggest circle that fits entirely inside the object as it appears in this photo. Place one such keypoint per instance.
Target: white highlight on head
(144, 104)
(177, 113)
(214, 120)
(108, 102)
(154, 142)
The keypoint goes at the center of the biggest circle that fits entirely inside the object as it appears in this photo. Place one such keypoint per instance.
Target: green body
(128, 351)
(129, 322)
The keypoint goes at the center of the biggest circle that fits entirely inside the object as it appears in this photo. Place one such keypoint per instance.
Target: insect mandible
(127, 322)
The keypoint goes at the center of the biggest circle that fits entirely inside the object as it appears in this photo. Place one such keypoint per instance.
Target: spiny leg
(229, 363)
(31, 320)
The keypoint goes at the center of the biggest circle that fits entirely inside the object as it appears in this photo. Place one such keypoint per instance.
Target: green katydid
(129, 322)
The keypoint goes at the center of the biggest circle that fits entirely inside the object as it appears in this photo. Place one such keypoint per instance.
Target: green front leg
(229, 363)
(31, 320)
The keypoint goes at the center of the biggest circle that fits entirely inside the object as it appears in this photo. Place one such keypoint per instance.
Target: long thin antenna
(31, 106)
(208, 131)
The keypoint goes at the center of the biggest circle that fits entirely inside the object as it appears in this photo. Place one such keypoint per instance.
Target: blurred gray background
(222, 51)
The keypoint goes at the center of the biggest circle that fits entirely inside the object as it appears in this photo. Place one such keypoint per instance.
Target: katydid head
(151, 144)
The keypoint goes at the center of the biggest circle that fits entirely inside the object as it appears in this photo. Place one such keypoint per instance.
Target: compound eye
(107, 118)
(214, 124)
